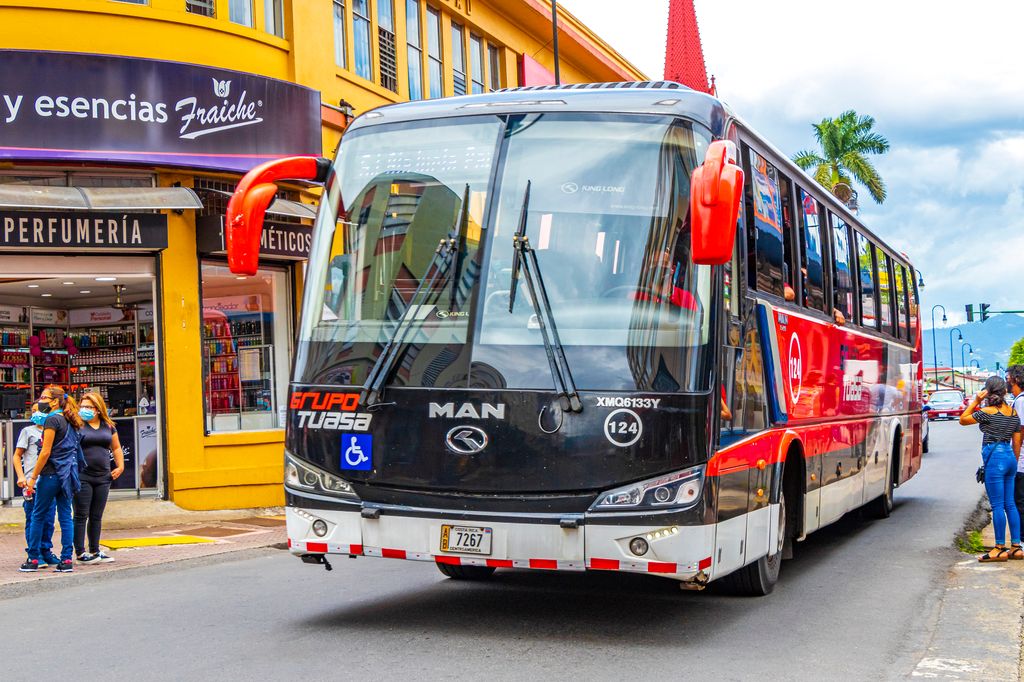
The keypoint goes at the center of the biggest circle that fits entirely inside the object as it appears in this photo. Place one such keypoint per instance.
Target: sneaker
(52, 560)
(103, 558)
(30, 566)
(86, 558)
(65, 567)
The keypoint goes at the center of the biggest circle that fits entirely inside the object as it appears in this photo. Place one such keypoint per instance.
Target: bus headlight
(304, 476)
(680, 490)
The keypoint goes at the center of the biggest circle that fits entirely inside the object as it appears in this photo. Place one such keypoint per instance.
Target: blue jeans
(49, 492)
(999, 483)
(46, 545)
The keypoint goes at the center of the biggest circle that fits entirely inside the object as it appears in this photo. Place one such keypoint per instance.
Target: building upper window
(240, 12)
(458, 60)
(361, 38)
(340, 47)
(386, 44)
(476, 63)
(273, 17)
(204, 7)
(414, 48)
(435, 59)
(494, 67)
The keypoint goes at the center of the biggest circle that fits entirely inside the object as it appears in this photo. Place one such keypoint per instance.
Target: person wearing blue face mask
(100, 444)
(26, 452)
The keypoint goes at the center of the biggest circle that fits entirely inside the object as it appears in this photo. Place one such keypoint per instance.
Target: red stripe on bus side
(605, 564)
(392, 553)
(551, 564)
(661, 567)
(318, 547)
(453, 560)
(355, 549)
(704, 563)
(500, 563)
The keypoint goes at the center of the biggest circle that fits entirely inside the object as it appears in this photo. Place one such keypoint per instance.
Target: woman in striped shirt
(1000, 448)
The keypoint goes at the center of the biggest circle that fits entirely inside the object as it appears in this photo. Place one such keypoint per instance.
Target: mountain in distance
(991, 341)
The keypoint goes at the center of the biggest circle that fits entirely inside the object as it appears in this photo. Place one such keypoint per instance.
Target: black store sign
(70, 106)
(83, 231)
(279, 240)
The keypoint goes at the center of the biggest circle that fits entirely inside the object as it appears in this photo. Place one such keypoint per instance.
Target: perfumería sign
(278, 240)
(71, 106)
(83, 230)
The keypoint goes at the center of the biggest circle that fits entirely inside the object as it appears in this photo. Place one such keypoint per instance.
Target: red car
(946, 404)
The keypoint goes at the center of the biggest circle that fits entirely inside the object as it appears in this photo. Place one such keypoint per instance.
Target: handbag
(979, 475)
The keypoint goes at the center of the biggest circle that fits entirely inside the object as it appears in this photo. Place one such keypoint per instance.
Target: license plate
(466, 539)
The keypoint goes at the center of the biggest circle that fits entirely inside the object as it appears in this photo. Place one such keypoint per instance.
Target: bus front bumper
(679, 552)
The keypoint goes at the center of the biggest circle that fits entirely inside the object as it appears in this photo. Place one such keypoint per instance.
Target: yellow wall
(245, 469)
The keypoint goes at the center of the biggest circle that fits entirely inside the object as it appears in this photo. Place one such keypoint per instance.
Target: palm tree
(845, 142)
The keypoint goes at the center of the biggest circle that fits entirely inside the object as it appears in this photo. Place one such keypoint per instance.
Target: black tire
(465, 572)
(881, 507)
(759, 578)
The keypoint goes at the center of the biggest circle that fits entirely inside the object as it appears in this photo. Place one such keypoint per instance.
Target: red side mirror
(715, 189)
(243, 225)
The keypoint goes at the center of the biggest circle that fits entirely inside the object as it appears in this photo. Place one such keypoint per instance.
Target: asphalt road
(858, 602)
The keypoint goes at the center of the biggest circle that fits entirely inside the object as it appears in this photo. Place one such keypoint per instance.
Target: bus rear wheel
(758, 578)
(465, 572)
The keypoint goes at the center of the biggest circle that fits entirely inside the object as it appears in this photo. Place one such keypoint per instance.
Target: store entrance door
(92, 329)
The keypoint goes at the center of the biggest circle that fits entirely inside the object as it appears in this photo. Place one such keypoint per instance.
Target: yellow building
(123, 126)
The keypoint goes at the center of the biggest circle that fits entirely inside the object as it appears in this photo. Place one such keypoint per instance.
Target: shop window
(866, 275)
(901, 302)
(435, 62)
(361, 38)
(812, 271)
(273, 17)
(240, 12)
(458, 60)
(494, 67)
(201, 7)
(885, 292)
(414, 48)
(340, 46)
(476, 63)
(246, 333)
(764, 209)
(386, 44)
(842, 272)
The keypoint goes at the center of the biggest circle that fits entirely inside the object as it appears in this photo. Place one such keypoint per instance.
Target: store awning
(98, 198)
(293, 209)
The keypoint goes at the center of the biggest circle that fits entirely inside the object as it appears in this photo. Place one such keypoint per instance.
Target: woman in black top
(99, 442)
(1000, 448)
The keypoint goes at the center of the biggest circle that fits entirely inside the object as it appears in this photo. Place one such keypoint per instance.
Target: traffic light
(984, 311)
(970, 312)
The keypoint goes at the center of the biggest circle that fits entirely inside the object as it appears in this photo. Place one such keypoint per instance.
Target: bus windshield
(608, 220)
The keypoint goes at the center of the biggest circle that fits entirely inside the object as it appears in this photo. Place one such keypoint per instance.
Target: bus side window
(747, 397)
(842, 279)
(885, 292)
(912, 294)
(901, 302)
(812, 272)
(764, 213)
(866, 268)
(790, 242)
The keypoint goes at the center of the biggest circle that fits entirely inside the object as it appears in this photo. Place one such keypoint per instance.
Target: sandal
(1001, 555)
(1017, 553)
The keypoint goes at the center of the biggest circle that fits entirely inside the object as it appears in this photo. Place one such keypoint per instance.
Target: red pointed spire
(684, 57)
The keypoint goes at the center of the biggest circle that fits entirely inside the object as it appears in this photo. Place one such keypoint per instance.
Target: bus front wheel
(465, 572)
(758, 579)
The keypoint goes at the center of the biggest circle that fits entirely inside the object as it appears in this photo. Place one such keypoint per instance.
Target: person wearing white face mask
(99, 444)
(26, 452)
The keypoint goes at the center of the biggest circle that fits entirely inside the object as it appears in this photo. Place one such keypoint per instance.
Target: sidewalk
(140, 526)
(979, 631)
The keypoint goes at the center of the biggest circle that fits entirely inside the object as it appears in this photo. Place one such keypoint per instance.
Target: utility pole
(554, 38)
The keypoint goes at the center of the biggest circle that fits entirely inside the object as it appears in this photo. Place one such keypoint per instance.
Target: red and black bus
(589, 327)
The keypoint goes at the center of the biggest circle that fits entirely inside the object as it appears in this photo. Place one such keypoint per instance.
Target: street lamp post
(935, 352)
(952, 374)
(962, 364)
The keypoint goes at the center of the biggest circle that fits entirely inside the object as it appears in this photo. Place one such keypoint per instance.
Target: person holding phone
(1000, 448)
(54, 478)
(99, 444)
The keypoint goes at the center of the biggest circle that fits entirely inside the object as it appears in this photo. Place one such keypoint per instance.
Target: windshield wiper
(524, 259)
(440, 267)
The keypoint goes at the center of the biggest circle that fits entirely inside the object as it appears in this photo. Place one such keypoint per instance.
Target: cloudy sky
(945, 86)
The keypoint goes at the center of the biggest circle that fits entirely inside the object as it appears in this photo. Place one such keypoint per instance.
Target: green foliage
(971, 544)
(845, 142)
(1017, 353)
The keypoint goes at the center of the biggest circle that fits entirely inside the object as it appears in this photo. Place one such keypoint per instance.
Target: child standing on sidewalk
(26, 452)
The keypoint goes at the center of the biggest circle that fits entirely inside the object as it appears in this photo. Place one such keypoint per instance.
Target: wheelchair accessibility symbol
(356, 451)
